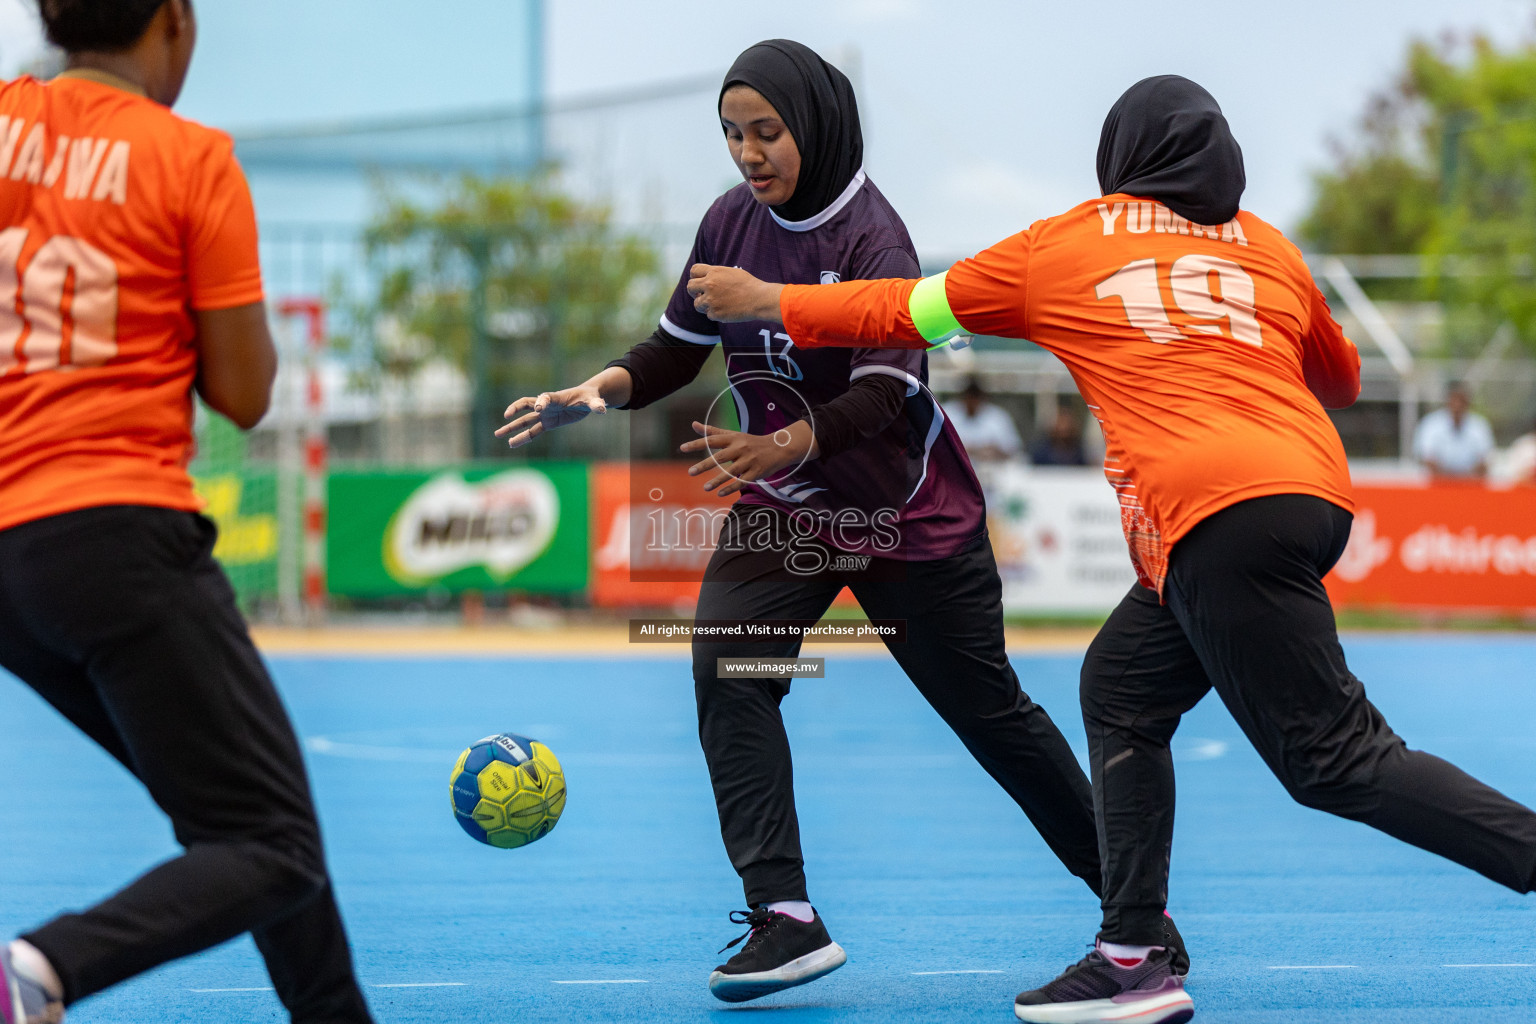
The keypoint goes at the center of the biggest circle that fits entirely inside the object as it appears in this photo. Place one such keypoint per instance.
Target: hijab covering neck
(1167, 139)
(816, 103)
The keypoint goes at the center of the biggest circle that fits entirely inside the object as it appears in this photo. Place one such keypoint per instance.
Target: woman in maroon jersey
(849, 475)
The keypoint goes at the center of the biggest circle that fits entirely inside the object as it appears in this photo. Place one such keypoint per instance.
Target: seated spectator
(986, 430)
(1062, 445)
(1454, 441)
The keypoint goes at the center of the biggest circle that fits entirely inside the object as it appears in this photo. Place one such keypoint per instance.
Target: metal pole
(290, 605)
(536, 78)
(561, 438)
(1407, 418)
(480, 413)
(315, 457)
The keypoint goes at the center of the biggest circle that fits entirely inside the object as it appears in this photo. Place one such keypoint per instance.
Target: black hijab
(817, 105)
(1167, 139)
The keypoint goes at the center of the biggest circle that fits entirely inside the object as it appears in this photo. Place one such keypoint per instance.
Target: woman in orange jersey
(129, 277)
(1196, 335)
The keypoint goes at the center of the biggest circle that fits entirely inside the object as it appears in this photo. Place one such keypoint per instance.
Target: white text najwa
(95, 169)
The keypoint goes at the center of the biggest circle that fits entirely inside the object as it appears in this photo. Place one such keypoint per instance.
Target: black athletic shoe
(1174, 942)
(1096, 990)
(781, 952)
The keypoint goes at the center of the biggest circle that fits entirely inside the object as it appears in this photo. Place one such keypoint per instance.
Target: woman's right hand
(534, 415)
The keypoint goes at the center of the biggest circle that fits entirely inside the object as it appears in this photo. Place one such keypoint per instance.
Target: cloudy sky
(981, 115)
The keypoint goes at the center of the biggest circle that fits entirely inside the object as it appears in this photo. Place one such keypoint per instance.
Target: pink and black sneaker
(1100, 990)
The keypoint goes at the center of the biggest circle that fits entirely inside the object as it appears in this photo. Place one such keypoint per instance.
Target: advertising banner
(1442, 546)
(483, 528)
(1056, 534)
(654, 530)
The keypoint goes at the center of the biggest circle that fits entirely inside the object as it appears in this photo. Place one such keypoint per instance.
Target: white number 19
(1136, 286)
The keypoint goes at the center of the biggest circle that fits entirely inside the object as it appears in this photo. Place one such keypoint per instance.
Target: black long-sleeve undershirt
(661, 364)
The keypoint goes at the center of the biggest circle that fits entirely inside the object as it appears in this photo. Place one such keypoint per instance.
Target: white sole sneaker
(738, 988)
(1173, 1007)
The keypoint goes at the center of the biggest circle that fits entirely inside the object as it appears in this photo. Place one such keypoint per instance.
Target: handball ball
(508, 791)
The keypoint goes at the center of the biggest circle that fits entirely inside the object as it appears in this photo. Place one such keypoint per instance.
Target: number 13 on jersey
(1207, 289)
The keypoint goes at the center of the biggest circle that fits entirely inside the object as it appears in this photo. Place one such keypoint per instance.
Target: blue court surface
(945, 900)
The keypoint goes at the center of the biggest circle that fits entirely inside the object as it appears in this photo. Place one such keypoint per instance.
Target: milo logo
(500, 523)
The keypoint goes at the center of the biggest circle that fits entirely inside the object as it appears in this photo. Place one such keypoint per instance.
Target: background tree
(509, 279)
(1444, 166)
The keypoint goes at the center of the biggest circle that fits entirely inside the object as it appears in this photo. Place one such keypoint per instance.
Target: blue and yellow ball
(508, 791)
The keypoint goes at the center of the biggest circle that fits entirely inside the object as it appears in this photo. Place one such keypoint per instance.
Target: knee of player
(298, 869)
(1348, 790)
(1099, 706)
(1093, 682)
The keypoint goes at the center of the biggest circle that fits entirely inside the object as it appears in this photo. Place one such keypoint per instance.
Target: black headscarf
(817, 105)
(1167, 139)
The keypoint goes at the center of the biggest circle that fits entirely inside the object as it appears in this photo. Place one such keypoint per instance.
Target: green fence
(245, 507)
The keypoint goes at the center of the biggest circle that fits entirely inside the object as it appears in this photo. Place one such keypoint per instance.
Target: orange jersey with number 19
(1206, 352)
(120, 219)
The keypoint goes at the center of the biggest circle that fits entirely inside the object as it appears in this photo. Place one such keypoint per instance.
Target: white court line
(606, 981)
(1488, 965)
(1314, 967)
(257, 988)
(916, 974)
(421, 984)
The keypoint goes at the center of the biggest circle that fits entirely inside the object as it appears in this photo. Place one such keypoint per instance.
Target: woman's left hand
(742, 458)
(730, 295)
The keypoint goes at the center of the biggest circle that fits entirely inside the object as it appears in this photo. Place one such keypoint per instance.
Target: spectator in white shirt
(1454, 441)
(986, 430)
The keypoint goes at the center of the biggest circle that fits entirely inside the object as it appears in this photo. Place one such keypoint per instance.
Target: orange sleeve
(1329, 361)
(981, 295)
(987, 292)
(223, 268)
(853, 314)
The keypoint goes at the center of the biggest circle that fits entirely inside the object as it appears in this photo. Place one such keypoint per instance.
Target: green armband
(931, 315)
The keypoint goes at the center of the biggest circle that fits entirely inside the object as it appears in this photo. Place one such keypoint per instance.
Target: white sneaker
(23, 1000)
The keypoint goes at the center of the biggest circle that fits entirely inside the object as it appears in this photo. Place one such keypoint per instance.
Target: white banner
(1056, 534)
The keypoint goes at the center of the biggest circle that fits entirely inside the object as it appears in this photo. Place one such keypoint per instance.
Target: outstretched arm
(983, 295)
(853, 314)
(533, 415)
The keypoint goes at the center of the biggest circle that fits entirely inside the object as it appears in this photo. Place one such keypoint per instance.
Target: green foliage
(1444, 166)
(548, 279)
(1375, 203)
(1484, 129)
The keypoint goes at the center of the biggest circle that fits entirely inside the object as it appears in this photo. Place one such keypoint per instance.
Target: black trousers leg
(956, 655)
(740, 726)
(1246, 586)
(1139, 678)
(120, 618)
(310, 962)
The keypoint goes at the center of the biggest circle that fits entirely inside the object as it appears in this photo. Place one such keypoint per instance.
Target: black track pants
(120, 618)
(954, 653)
(1247, 613)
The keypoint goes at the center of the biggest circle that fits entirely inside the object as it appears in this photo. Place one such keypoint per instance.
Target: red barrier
(653, 531)
(651, 534)
(1461, 547)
